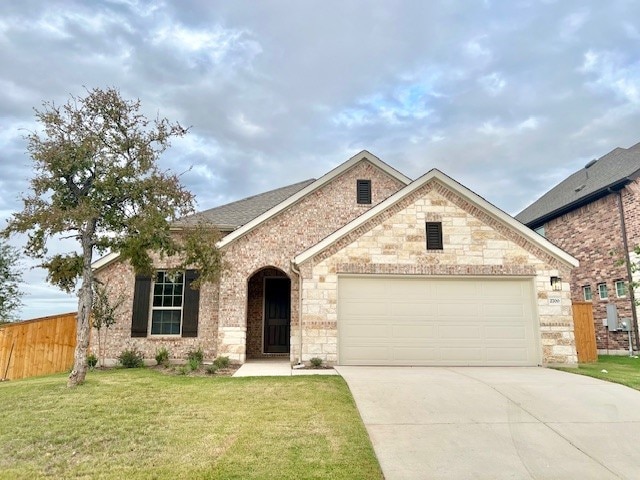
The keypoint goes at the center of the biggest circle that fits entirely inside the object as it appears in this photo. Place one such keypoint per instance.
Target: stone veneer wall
(593, 235)
(278, 240)
(120, 280)
(394, 243)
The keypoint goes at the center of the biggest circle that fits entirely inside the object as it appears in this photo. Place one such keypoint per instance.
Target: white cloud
(493, 83)
(572, 23)
(498, 129)
(609, 70)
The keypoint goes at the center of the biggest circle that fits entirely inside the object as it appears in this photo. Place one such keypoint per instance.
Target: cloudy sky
(506, 97)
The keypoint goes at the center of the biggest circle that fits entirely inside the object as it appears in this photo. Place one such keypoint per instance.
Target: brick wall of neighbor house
(120, 280)
(474, 244)
(276, 241)
(593, 235)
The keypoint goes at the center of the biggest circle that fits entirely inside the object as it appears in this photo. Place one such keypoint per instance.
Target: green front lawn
(142, 424)
(624, 370)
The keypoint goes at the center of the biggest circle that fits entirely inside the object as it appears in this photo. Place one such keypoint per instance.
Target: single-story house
(362, 266)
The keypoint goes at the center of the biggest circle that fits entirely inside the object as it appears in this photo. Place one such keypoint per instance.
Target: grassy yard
(143, 424)
(624, 370)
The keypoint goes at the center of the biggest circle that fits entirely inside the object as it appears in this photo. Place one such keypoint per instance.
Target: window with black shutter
(363, 191)
(166, 306)
(434, 236)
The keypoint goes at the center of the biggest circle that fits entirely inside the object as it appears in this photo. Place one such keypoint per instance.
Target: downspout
(295, 269)
(623, 227)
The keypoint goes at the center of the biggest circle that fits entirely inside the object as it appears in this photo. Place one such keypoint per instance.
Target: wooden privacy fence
(37, 347)
(584, 331)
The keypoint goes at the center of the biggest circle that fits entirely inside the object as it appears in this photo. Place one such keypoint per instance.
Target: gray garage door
(445, 321)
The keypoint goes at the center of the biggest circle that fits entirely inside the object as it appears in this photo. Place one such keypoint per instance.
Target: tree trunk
(85, 301)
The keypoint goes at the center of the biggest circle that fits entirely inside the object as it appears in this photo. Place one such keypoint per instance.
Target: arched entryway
(268, 313)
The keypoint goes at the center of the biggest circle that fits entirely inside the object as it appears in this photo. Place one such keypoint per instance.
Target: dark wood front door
(277, 315)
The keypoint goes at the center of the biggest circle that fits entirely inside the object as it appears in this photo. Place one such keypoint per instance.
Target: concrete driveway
(497, 423)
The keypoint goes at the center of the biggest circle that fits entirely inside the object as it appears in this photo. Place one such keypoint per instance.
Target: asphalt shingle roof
(617, 166)
(235, 214)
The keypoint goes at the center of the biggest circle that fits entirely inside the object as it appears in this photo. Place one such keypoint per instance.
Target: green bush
(316, 362)
(211, 369)
(221, 362)
(131, 358)
(162, 356)
(195, 356)
(194, 364)
(92, 360)
(182, 370)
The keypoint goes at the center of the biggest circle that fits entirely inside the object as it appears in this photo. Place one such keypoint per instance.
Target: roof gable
(362, 156)
(613, 170)
(471, 197)
(265, 205)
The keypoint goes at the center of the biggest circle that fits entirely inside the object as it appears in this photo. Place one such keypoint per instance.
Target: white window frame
(606, 291)
(624, 288)
(584, 293)
(153, 308)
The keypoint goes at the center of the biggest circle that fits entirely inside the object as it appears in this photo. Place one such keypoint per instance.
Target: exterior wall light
(556, 283)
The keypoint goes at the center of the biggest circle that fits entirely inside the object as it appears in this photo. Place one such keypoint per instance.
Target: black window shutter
(434, 236)
(363, 191)
(140, 317)
(191, 306)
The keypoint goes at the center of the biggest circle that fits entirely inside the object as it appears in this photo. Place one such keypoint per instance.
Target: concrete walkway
(497, 423)
(276, 367)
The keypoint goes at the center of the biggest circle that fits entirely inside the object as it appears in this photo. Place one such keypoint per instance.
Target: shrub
(162, 356)
(221, 362)
(92, 360)
(182, 370)
(195, 357)
(316, 362)
(211, 369)
(194, 364)
(131, 358)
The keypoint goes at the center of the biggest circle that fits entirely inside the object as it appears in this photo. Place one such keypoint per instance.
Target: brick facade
(593, 234)
(394, 243)
(230, 313)
(229, 319)
(276, 241)
(119, 279)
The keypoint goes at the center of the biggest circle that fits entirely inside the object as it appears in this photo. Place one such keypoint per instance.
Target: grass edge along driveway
(139, 423)
(618, 369)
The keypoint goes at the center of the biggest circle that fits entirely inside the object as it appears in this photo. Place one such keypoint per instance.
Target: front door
(277, 314)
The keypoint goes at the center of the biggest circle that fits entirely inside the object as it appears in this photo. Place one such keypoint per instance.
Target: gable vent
(363, 191)
(434, 236)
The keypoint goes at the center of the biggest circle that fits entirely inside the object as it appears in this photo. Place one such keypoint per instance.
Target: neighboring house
(360, 267)
(594, 215)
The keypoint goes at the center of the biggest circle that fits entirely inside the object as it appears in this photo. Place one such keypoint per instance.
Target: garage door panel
(444, 321)
(369, 308)
(505, 354)
(410, 308)
(413, 332)
(505, 332)
(461, 332)
(464, 308)
(371, 331)
(414, 355)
